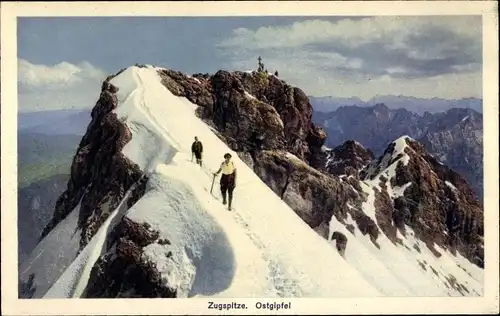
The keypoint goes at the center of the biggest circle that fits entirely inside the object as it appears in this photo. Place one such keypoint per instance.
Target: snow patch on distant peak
(400, 145)
(388, 164)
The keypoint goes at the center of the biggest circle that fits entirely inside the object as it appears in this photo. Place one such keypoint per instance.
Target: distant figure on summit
(197, 150)
(228, 179)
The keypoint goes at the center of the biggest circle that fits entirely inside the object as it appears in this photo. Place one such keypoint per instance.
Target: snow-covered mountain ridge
(142, 215)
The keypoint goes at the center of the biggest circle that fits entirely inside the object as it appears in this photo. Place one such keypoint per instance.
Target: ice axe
(213, 181)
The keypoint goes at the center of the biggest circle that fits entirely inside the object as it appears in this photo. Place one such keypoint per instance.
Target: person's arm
(235, 174)
(192, 148)
(218, 171)
(201, 147)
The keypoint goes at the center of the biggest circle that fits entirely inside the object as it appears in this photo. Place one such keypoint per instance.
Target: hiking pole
(213, 181)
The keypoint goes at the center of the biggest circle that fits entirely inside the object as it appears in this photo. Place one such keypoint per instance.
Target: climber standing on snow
(228, 179)
(197, 150)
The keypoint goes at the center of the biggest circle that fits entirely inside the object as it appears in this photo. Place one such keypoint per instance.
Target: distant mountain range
(416, 105)
(455, 137)
(55, 122)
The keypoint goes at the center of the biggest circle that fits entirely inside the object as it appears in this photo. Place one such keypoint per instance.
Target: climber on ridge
(228, 179)
(197, 150)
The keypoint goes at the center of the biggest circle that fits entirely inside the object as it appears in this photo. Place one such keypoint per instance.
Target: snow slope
(410, 269)
(52, 255)
(261, 248)
(73, 281)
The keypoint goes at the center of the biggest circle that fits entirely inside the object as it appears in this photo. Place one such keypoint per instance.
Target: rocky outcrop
(340, 242)
(348, 159)
(303, 138)
(412, 187)
(449, 203)
(100, 173)
(196, 89)
(239, 116)
(313, 195)
(125, 271)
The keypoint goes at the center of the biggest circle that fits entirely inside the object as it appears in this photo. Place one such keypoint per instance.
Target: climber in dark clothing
(228, 179)
(197, 150)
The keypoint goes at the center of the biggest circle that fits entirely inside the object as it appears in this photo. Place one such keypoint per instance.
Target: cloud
(358, 53)
(61, 86)
(61, 75)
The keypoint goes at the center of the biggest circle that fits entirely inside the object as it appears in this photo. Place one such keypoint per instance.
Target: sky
(63, 60)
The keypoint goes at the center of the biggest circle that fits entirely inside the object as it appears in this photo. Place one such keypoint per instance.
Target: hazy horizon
(63, 60)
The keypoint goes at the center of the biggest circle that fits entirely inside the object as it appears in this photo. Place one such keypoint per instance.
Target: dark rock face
(293, 107)
(100, 173)
(365, 225)
(439, 204)
(348, 159)
(124, 271)
(401, 214)
(384, 212)
(27, 288)
(439, 189)
(239, 116)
